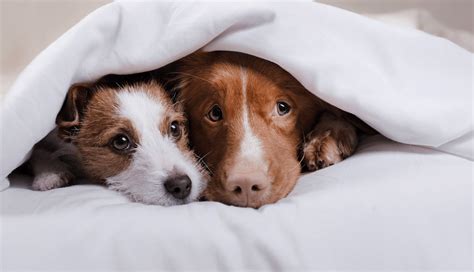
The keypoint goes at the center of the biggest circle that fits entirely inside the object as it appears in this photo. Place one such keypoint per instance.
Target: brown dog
(248, 120)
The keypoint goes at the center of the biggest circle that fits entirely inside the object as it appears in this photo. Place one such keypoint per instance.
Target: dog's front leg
(49, 173)
(46, 163)
(331, 140)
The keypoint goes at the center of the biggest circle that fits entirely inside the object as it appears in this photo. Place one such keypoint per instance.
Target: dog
(130, 137)
(252, 123)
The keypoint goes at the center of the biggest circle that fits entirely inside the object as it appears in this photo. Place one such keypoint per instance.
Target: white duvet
(389, 206)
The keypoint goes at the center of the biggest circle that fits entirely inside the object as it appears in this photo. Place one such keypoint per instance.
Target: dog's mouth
(246, 204)
(229, 198)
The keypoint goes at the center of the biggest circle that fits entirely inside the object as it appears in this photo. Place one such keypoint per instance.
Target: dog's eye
(215, 114)
(175, 130)
(283, 108)
(121, 143)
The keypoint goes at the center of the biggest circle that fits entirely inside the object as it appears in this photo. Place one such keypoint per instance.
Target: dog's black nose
(179, 186)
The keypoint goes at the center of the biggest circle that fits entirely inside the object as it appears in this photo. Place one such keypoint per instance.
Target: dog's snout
(179, 187)
(247, 185)
(247, 188)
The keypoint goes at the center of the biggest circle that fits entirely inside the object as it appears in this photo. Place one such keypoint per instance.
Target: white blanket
(390, 207)
(412, 87)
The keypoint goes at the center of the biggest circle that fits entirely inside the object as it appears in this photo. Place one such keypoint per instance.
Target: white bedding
(390, 206)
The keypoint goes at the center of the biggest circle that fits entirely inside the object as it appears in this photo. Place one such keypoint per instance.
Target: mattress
(390, 206)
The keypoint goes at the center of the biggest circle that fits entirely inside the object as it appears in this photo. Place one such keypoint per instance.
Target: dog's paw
(325, 148)
(51, 180)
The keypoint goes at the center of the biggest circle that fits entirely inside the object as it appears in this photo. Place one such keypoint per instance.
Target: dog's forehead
(143, 108)
(228, 78)
(222, 73)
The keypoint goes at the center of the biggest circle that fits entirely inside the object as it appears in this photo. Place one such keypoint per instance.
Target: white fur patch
(49, 180)
(251, 146)
(156, 157)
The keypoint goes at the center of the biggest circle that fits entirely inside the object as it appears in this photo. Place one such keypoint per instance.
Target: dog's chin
(230, 200)
(164, 199)
(162, 202)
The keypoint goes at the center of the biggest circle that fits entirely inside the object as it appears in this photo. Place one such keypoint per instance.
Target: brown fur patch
(332, 140)
(101, 123)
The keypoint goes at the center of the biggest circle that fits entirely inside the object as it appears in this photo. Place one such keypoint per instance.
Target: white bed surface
(390, 206)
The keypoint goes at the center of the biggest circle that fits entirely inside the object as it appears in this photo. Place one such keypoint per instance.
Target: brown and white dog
(131, 137)
(250, 120)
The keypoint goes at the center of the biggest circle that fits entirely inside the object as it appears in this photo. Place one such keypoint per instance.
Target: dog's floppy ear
(70, 116)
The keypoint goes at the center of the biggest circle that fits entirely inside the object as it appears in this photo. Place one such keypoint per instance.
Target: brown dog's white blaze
(247, 177)
(247, 119)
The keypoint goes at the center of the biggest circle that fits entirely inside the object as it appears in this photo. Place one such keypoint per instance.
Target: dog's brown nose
(247, 188)
(179, 186)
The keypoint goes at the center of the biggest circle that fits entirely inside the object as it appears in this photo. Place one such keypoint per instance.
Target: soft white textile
(413, 87)
(423, 20)
(389, 207)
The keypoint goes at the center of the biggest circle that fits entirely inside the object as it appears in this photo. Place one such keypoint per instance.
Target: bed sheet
(390, 206)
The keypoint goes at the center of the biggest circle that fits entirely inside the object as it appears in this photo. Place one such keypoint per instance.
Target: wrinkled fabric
(388, 207)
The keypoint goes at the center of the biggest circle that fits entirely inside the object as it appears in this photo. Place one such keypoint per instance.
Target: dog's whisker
(201, 161)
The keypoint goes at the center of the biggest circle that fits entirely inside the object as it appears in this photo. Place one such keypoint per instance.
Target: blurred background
(29, 26)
